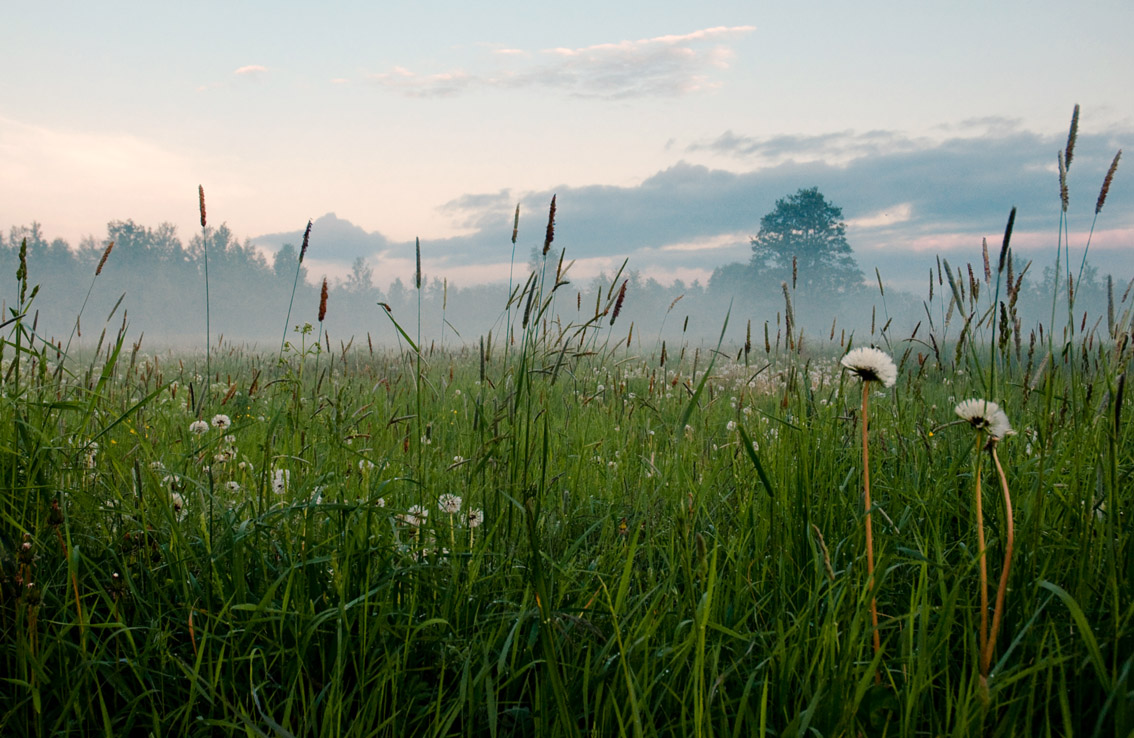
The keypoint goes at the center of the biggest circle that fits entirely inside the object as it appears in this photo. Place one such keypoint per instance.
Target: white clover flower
(232, 486)
(986, 416)
(380, 502)
(730, 426)
(475, 518)
(280, 480)
(197, 427)
(221, 421)
(449, 504)
(157, 466)
(870, 364)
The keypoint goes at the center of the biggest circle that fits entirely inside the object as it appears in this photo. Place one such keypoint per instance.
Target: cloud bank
(904, 200)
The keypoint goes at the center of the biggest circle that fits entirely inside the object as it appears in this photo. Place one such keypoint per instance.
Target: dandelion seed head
(871, 365)
(986, 416)
(222, 422)
(280, 480)
(449, 504)
(198, 427)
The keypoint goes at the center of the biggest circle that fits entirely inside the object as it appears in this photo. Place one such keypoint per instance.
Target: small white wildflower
(730, 426)
(870, 364)
(426, 441)
(198, 427)
(232, 486)
(230, 439)
(449, 504)
(380, 502)
(157, 466)
(474, 518)
(365, 465)
(221, 421)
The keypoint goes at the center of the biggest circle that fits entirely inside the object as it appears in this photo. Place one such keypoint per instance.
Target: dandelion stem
(983, 563)
(869, 532)
(998, 611)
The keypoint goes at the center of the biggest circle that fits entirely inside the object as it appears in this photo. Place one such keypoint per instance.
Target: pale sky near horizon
(434, 119)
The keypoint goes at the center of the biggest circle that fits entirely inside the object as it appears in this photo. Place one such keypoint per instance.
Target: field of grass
(560, 536)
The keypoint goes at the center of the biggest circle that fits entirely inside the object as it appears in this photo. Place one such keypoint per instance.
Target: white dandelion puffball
(198, 427)
(177, 503)
(871, 365)
(415, 516)
(280, 479)
(221, 421)
(986, 416)
(475, 518)
(449, 504)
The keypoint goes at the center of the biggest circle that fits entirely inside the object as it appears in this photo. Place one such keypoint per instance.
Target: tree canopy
(803, 242)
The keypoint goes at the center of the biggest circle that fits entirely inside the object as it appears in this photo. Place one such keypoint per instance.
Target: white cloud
(661, 66)
(251, 70)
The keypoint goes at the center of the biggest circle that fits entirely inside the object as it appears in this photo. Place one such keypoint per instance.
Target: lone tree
(804, 227)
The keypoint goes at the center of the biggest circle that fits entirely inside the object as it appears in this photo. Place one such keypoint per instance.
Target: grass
(648, 542)
(633, 574)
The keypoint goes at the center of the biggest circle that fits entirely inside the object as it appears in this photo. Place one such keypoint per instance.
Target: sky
(665, 129)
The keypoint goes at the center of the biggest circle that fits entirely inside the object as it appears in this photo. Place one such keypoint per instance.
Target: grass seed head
(1106, 182)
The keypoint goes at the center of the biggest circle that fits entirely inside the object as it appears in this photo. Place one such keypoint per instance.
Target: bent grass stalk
(876, 637)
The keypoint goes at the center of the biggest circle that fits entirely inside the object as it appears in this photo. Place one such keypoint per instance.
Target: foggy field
(574, 533)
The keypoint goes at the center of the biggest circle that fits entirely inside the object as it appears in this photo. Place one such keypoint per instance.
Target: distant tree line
(160, 280)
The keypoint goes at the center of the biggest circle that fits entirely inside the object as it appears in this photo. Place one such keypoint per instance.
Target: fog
(155, 284)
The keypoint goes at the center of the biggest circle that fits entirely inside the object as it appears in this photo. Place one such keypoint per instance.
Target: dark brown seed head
(306, 242)
(201, 199)
(618, 302)
(1071, 136)
(102, 261)
(1106, 182)
(516, 225)
(550, 236)
(323, 301)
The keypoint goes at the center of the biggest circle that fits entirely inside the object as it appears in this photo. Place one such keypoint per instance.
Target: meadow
(559, 535)
(557, 531)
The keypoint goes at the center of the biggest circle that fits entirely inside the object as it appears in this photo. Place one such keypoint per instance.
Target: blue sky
(666, 129)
